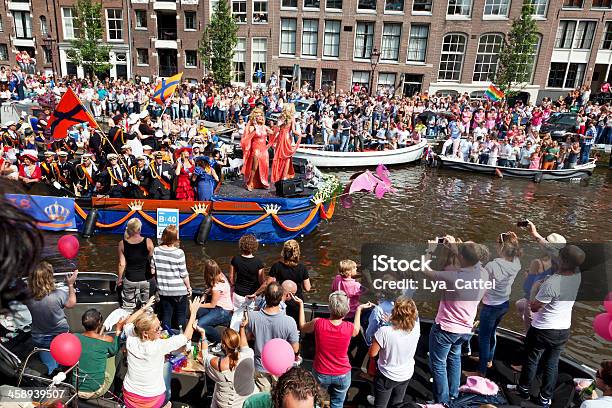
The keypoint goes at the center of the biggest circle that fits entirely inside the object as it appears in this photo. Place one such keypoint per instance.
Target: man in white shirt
(550, 327)
(603, 380)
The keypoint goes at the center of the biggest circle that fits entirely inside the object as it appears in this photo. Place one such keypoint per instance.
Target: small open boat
(577, 173)
(327, 158)
(20, 366)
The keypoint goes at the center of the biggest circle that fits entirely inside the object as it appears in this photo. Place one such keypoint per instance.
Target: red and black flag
(68, 112)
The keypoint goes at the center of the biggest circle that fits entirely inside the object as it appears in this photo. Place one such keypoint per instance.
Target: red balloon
(603, 326)
(608, 303)
(66, 349)
(68, 246)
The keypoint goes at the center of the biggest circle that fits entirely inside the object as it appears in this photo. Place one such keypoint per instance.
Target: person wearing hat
(49, 170)
(86, 176)
(114, 177)
(66, 170)
(29, 171)
(10, 137)
(161, 178)
(116, 134)
(146, 129)
(128, 158)
(139, 179)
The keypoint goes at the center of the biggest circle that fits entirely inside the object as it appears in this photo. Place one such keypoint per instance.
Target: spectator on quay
(296, 388)
(603, 380)
(218, 310)
(346, 283)
(246, 271)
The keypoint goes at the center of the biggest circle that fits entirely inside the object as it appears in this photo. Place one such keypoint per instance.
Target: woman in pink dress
(255, 151)
(184, 170)
(282, 168)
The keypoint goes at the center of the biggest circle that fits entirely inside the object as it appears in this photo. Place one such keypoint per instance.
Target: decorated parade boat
(577, 173)
(326, 158)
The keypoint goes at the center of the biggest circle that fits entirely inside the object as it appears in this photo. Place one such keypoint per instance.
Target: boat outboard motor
(90, 223)
(537, 178)
(204, 230)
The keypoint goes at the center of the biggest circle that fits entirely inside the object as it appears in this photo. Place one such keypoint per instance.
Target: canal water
(429, 203)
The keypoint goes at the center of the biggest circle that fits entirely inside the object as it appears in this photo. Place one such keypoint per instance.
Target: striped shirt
(170, 269)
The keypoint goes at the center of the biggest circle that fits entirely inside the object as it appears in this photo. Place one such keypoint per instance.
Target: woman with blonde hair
(170, 269)
(218, 310)
(284, 149)
(496, 301)
(395, 346)
(255, 151)
(47, 306)
(233, 373)
(289, 267)
(144, 385)
(134, 269)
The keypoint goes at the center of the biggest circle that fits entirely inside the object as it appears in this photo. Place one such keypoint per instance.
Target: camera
(523, 223)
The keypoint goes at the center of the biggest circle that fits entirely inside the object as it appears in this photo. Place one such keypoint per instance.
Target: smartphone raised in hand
(522, 223)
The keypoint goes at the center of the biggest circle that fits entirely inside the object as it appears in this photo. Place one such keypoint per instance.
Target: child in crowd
(346, 282)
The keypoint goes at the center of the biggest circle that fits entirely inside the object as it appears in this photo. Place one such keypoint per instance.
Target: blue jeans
(209, 318)
(490, 317)
(173, 308)
(344, 142)
(336, 385)
(445, 362)
(585, 151)
(44, 341)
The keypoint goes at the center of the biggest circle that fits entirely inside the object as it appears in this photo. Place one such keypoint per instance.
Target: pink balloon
(608, 303)
(68, 246)
(603, 326)
(277, 356)
(66, 349)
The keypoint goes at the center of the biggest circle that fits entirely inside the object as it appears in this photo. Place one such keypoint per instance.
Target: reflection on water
(430, 203)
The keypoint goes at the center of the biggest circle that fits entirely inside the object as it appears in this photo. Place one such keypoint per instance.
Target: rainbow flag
(165, 89)
(494, 93)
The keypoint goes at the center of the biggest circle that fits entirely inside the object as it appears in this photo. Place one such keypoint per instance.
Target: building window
(497, 8)
(331, 40)
(141, 18)
(451, 59)
(367, 5)
(308, 75)
(333, 4)
(565, 34)
(3, 52)
(412, 84)
(239, 11)
(191, 59)
(44, 29)
(489, 47)
(114, 18)
(260, 11)
(386, 83)
(310, 37)
(190, 20)
(607, 37)
(539, 7)
(391, 42)
(459, 8)
(572, 3)
(602, 4)
(68, 17)
(527, 64)
(23, 24)
(328, 79)
(47, 55)
(260, 46)
(364, 40)
(362, 78)
(417, 43)
(289, 3)
(142, 55)
(564, 75)
(394, 5)
(423, 6)
(287, 43)
(1, 24)
(214, 4)
(239, 73)
(585, 32)
(315, 4)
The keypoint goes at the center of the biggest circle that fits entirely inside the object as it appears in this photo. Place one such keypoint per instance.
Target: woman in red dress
(255, 151)
(282, 168)
(29, 171)
(184, 170)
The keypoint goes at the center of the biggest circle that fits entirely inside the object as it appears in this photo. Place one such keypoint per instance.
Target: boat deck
(237, 189)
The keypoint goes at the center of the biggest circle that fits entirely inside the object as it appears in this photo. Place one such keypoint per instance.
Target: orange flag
(68, 112)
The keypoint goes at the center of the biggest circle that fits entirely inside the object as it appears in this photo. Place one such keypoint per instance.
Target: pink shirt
(353, 290)
(225, 296)
(331, 347)
(458, 309)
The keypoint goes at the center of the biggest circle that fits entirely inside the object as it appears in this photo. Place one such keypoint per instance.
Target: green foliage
(516, 61)
(88, 48)
(218, 43)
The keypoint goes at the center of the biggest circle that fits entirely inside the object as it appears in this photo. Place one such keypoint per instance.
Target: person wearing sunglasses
(603, 380)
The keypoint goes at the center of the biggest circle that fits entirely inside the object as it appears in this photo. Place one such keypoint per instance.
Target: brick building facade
(434, 45)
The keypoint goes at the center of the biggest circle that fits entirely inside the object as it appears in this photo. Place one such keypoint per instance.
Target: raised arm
(357, 320)
(303, 326)
(72, 299)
